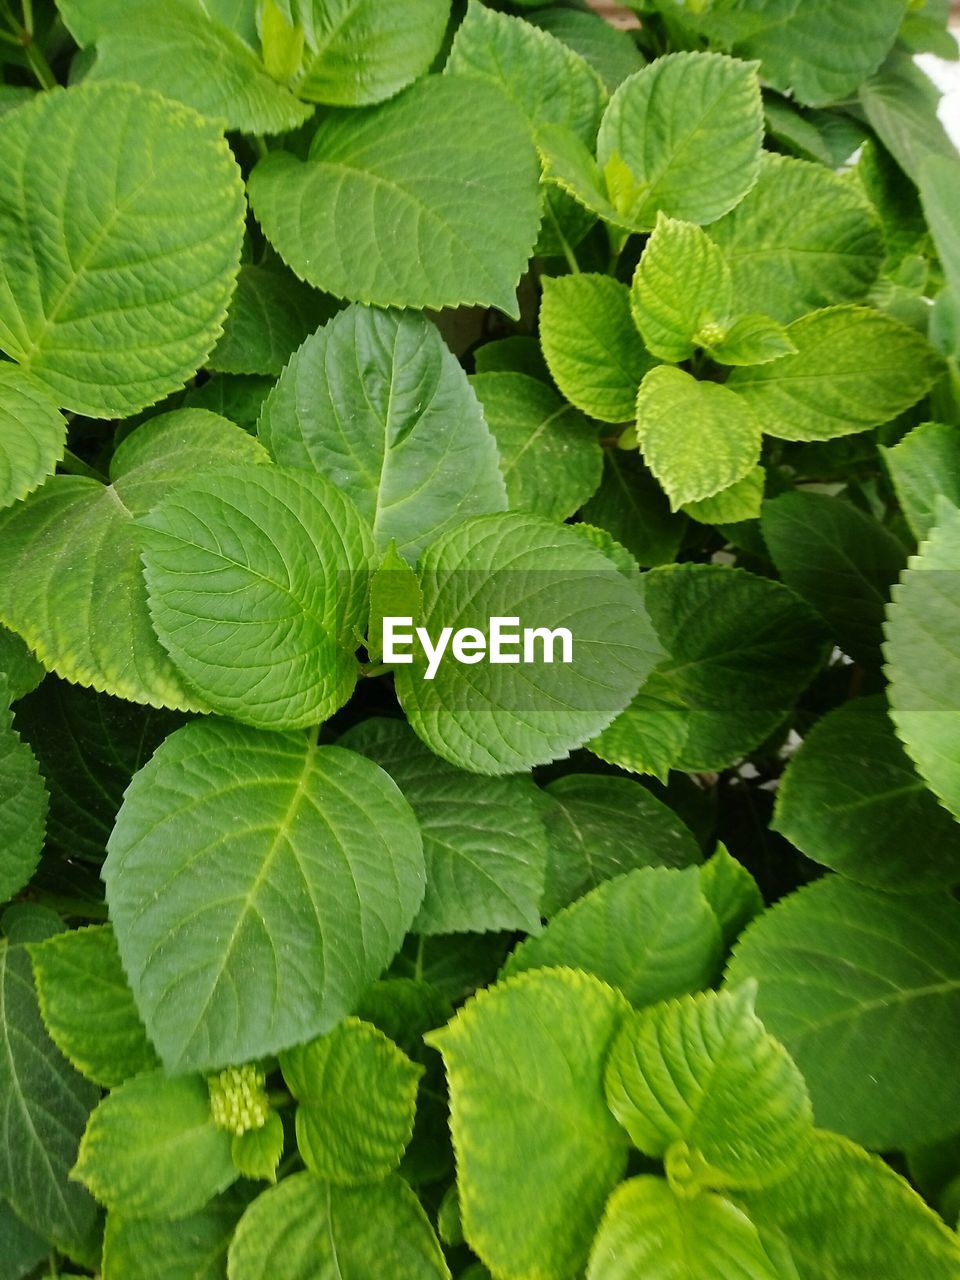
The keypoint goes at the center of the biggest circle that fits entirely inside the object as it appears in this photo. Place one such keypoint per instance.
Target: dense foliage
(317, 964)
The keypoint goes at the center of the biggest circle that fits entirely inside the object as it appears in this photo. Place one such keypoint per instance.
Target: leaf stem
(565, 246)
(262, 149)
(54, 1271)
(75, 466)
(40, 66)
(27, 9)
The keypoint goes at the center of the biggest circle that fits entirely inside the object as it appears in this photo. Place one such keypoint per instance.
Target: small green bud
(238, 1099)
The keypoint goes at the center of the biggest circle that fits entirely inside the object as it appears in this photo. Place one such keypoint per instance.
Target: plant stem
(261, 146)
(39, 65)
(75, 466)
(54, 1266)
(27, 8)
(418, 963)
(568, 253)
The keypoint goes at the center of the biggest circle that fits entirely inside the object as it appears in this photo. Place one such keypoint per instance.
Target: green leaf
(517, 354)
(838, 1185)
(379, 406)
(841, 560)
(483, 838)
(23, 1249)
(593, 351)
(171, 46)
(32, 434)
(802, 239)
(650, 933)
(863, 988)
(550, 455)
(394, 593)
(23, 806)
(599, 827)
(740, 501)
(648, 1231)
(699, 1083)
(732, 893)
(697, 438)
(394, 187)
(854, 368)
(502, 718)
(256, 1153)
(89, 747)
(569, 163)
(610, 52)
(753, 339)
(939, 187)
(307, 1228)
(851, 800)
(823, 51)
(244, 859)
(689, 128)
(900, 103)
(633, 508)
(742, 649)
(681, 297)
(524, 1062)
(921, 656)
(151, 1149)
(923, 466)
(362, 51)
(357, 1094)
(192, 1248)
(18, 666)
(71, 582)
(45, 1108)
(84, 305)
(727, 22)
(88, 1008)
(270, 316)
(257, 586)
(234, 396)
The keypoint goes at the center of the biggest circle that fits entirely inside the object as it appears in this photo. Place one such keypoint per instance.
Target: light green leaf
(192, 1248)
(732, 893)
(519, 353)
(648, 1231)
(854, 368)
(863, 988)
(610, 52)
(634, 510)
(802, 239)
(483, 839)
(923, 466)
(569, 164)
(650, 933)
(524, 1062)
(753, 339)
(71, 581)
(699, 1083)
(379, 406)
(689, 129)
(151, 1149)
(257, 587)
(740, 501)
(823, 50)
(282, 41)
(939, 187)
(244, 859)
(171, 46)
(922, 662)
(357, 1094)
(682, 296)
(727, 22)
(840, 559)
(306, 1228)
(18, 666)
(742, 649)
(548, 82)
(23, 805)
(394, 593)
(498, 718)
(404, 174)
(550, 454)
(270, 316)
(362, 51)
(599, 827)
(84, 305)
(845, 1213)
(32, 434)
(256, 1153)
(851, 800)
(594, 353)
(88, 1008)
(900, 103)
(45, 1108)
(697, 438)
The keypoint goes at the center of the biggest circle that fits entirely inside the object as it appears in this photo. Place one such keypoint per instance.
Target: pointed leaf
(633, 508)
(923, 466)
(270, 315)
(192, 1248)
(23, 806)
(32, 434)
